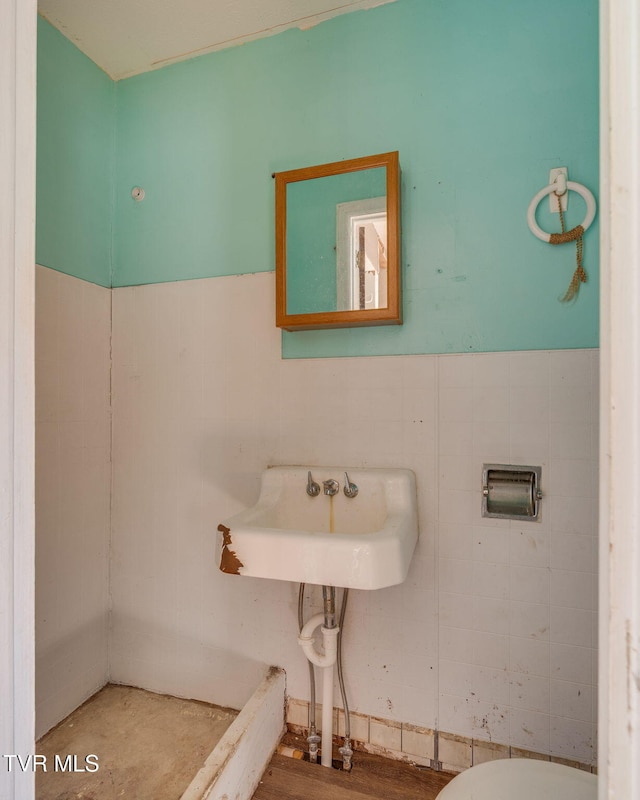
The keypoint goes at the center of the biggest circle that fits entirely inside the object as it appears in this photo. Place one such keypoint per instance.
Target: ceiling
(126, 37)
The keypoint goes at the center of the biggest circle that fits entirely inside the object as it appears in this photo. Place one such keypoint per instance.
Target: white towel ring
(574, 187)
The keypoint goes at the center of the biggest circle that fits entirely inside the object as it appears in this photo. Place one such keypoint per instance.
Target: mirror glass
(337, 259)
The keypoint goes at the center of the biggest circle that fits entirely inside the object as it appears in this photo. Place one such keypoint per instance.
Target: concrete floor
(148, 746)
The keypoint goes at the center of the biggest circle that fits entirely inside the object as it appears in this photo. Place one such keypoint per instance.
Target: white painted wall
(73, 492)
(493, 633)
(17, 228)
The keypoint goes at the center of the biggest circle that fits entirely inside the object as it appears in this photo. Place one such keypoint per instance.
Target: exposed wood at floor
(371, 777)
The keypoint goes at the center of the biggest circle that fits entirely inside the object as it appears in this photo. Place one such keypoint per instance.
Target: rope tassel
(574, 235)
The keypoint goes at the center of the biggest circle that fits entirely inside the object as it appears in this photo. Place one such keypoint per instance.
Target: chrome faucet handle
(331, 487)
(313, 489)
(350, 489)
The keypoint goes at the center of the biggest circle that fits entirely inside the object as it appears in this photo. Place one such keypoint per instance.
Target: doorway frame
(18, 36)
(619, 469)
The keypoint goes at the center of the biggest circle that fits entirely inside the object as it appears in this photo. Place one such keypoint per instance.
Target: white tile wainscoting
(492, 637)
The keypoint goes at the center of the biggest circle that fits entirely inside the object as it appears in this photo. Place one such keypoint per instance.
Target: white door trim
(619, 615)
(17, 267)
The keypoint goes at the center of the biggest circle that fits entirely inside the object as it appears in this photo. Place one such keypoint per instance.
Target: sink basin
(364, 542)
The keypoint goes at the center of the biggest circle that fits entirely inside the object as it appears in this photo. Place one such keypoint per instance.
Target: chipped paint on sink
(229, 561)
(365, 542)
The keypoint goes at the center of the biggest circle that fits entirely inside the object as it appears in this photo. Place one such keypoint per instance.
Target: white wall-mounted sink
(364, 542)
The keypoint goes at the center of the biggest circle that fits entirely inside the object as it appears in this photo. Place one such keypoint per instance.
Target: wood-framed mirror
(338, 244)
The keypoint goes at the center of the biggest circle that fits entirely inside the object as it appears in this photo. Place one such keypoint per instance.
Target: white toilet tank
(521, 779)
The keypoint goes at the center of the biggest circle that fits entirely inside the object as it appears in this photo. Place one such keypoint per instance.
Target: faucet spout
(331, 487)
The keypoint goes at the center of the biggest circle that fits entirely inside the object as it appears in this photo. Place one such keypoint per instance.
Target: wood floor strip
(372, 778)
(281, 782)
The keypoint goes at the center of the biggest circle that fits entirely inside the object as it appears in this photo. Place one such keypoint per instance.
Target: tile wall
(517, 602)
(406, 742)
(492, 636)
(73, 485)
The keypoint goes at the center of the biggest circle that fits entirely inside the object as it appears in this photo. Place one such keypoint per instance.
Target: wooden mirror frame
(392, 314)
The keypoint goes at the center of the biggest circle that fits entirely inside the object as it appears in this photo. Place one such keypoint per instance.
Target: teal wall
(480, 99)
(75, 156)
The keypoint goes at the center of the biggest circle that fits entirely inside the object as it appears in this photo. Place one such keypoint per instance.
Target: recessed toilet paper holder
(510, 492)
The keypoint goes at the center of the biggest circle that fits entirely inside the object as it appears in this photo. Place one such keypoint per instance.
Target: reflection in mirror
(361, 256)
(337, 259)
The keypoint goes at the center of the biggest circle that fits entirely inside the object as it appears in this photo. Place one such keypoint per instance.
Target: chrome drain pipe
(329, 601)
